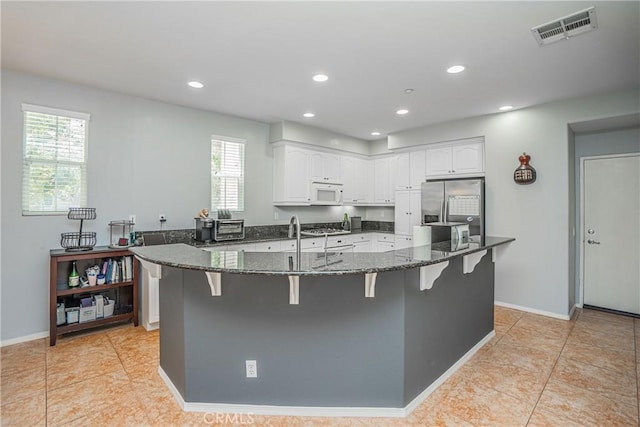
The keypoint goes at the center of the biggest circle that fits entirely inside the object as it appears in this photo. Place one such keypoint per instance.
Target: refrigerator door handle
(446, 209)
(441, 213)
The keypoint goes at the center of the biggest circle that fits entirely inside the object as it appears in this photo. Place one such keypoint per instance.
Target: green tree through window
(54, 160)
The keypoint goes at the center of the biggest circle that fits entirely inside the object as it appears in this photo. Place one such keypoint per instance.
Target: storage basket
(75, 241)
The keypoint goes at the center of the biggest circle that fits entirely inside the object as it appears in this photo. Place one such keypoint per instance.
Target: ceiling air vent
(568, 26)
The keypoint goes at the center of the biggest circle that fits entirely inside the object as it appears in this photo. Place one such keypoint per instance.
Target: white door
(611, 232)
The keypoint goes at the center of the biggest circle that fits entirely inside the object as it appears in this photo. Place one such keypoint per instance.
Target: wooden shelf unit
(59, 267)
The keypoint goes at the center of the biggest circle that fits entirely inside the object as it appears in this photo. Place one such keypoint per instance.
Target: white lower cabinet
(361, 242)
(403, 241)
(271, 246)
(383, 242)
(242, 247)
(312, 245)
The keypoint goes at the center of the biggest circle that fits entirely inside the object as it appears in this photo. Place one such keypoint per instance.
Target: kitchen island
(362, 334)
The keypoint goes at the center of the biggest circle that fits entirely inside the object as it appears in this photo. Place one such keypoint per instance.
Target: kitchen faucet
(294, 220)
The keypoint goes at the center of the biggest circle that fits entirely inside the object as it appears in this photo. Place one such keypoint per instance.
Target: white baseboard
(319, 411)
(535, 310)
(151, 326)
(24, 338)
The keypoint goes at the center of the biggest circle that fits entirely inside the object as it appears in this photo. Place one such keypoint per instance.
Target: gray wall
(534, 271)
(145, 158)
(597, 144)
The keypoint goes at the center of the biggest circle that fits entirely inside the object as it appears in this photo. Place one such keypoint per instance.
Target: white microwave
(323, 193)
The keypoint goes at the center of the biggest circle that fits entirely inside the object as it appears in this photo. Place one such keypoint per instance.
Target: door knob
(592, 242)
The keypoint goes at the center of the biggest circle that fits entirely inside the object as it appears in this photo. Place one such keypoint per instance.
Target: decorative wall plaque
(525, 173)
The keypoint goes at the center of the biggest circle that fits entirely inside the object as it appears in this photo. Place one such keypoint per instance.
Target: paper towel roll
(421, 235)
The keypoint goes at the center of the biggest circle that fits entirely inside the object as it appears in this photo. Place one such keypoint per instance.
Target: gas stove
(319, 232)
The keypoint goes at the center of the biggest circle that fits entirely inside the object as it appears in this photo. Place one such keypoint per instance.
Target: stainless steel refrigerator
(455, 200)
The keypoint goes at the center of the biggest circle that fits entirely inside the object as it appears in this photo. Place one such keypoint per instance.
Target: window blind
(54, 172)
(227, 174)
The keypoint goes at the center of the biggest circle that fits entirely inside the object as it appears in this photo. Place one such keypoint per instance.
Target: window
(227, 173)
(54, 169)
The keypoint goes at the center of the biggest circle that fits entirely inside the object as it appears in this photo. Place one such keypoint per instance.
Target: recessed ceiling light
(402, 111)
(455, 69)
(196, 85)
(309, 115)
(408, 91)
(375, 133)
(506, 108)
(320, 78)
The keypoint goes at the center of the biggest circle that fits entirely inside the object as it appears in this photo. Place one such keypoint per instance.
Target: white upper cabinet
(410, 170)
(325, 167)
(455, 160)
(468, 158)
(291, 175)
(357, 179)
(384, 180)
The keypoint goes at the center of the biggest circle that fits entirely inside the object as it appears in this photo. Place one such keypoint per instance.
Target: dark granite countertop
(311, 263)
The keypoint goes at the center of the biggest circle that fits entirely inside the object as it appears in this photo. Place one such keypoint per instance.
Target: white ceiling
(257, 58)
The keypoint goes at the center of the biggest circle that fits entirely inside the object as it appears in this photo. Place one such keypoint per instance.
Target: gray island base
(336, 352)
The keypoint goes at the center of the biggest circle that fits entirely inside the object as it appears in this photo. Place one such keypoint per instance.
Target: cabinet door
(402, 172)
(268, 246)
(402, 213)
(402, 242)
(384, 246)
(296, 175)
(242, 247)
(325, 167)
(407, 211)
(316, 166)
(381, 179)
(468, 158)
(417, 169)
(350, 179)
(438, 161)
(331, 167)
(364, 181)
(362, 246)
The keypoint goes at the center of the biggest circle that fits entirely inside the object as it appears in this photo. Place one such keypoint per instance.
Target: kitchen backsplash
(264, 232)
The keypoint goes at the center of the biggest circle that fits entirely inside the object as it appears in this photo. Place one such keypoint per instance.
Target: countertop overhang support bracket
(370, 285)
(294, 289)
(429, 274)
(470, 261)
(154, 270)
(215, 283)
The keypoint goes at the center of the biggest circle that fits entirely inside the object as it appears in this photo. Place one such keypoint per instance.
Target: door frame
(580, 233)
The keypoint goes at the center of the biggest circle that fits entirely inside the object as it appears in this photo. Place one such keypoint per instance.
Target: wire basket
(84, 241)
(82, 213)
(80, 241)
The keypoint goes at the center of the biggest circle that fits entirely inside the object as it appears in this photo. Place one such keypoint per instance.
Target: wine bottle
(74, 277)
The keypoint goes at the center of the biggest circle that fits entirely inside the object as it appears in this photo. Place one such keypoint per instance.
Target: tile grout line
(552, 369)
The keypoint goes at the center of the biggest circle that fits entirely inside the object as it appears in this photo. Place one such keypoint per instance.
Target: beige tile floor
(537, 371)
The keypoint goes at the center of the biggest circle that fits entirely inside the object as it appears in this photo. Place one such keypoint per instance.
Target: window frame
(28, 161)
(241, 195)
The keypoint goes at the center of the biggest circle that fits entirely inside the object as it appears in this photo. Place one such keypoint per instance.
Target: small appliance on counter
(356, 223)
(228, 229)
(204, 229)
(455, 232)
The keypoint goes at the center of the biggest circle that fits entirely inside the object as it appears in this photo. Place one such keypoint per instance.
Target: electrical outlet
(132, 218)
(162, 218)
(252, 369)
